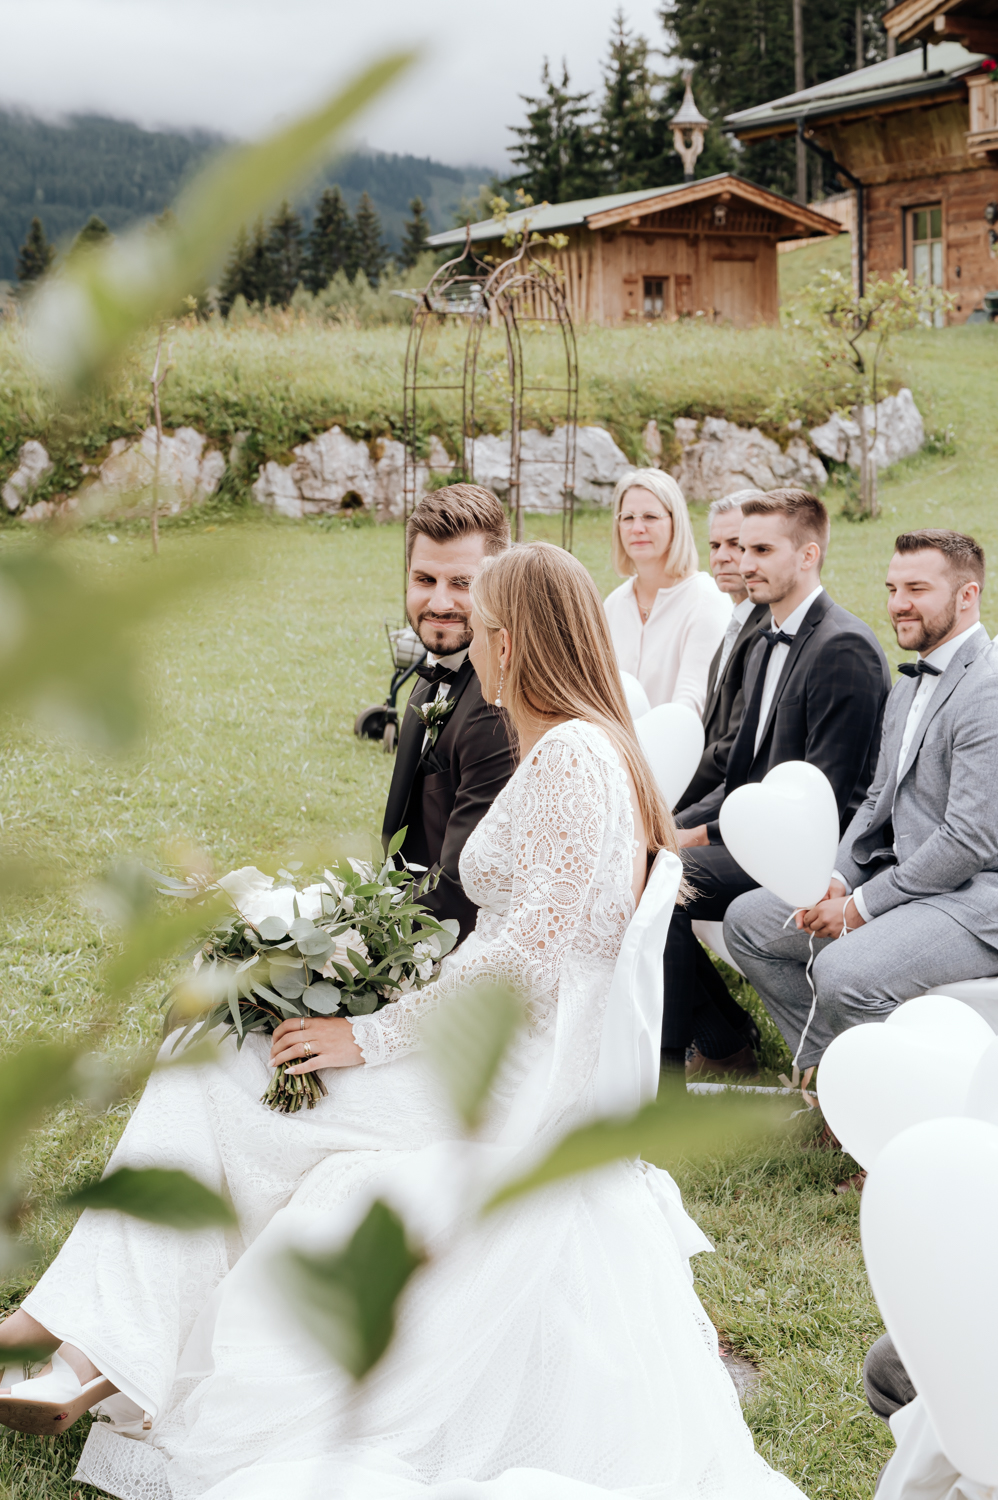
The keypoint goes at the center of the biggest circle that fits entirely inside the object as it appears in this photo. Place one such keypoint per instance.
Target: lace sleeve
(552, 822)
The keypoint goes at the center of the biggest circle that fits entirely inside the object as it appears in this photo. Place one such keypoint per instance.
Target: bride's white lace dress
(555, 1350)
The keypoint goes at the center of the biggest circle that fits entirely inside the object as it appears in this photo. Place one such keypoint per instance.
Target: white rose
(242, 885)
(349, 939)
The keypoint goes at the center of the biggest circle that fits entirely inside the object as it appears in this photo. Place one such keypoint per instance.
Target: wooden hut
(916, 139)
(704, 248)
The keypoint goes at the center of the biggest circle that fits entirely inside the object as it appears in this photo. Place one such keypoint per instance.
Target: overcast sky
(238, 65)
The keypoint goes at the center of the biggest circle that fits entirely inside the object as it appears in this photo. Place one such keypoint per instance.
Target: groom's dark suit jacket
(722, 712)
(827, 709)
(441, 794)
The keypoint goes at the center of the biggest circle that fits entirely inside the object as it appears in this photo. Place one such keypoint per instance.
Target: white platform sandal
(51, 1403)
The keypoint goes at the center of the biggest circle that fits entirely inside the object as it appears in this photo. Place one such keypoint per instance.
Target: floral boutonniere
(433, 714)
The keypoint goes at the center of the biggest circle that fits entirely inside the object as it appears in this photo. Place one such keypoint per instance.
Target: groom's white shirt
(927, 684)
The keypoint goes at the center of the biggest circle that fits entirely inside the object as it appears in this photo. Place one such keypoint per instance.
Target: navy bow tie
(776, 637)
(437, 673)
(919, 669)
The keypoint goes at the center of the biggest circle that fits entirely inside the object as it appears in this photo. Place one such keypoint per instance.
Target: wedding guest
(722, 712)
(916, 884)
(447, 775)
(814, 688)
(668, 619)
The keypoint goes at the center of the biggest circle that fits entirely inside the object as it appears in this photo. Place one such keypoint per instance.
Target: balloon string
(794, 1080)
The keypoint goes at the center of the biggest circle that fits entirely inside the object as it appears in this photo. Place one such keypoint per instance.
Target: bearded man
(916, 884)
(453, 753)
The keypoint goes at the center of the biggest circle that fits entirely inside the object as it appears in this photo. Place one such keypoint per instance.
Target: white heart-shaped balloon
(982, 1091)
(948, 1021)
(637, 698)
(929, 1219)
(672, 738)
(875, 1081)
(784, 831)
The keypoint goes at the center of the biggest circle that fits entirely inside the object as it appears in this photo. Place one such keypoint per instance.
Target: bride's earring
(502, 678)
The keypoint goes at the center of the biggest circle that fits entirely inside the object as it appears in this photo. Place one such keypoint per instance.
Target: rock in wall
(719, 458)
(894, 427)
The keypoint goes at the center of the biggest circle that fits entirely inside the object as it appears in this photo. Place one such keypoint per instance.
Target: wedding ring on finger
(302, 1023)
(308, 1049)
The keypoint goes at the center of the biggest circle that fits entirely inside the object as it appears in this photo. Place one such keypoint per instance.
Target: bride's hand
(325, 1042)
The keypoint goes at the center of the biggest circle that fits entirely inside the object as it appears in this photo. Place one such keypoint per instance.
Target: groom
(454, 754)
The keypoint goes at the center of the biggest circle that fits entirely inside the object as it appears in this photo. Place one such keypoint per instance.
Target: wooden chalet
(916, 139)
(706, 247)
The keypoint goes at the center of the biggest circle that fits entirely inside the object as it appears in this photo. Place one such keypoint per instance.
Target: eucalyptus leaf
(301, 927)
(346, 1298)
(157, 1194)
(362, 1004)
(322, 997)
(273, 929)
(289, 983)
(397, 841)
(466, 1039)
(676, 1126)
(316, 944)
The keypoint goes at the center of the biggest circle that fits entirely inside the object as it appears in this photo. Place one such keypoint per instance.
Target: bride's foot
(55, 1399)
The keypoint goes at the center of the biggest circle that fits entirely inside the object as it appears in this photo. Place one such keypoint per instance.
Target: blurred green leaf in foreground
(157, 1195)
(347, 1298)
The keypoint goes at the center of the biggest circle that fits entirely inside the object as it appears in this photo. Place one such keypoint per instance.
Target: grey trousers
(861, 977)
(886, 1381)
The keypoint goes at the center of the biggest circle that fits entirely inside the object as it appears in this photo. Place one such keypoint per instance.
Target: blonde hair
(563, 665)
(683, 558)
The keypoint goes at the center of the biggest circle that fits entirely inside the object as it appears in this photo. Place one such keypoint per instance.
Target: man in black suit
(815, 688)
(722, 711)
(453, 754)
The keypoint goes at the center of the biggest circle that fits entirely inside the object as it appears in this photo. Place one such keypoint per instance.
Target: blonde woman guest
(668, 619)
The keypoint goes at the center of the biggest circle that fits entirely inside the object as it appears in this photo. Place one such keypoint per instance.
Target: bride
(552, 1350)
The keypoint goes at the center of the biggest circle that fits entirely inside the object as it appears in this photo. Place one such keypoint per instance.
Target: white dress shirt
(927, 684)
(739, 615)
(777, 657)
(455, 660)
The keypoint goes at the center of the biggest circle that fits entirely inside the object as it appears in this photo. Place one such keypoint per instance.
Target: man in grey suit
(915, 892)
(725, 702)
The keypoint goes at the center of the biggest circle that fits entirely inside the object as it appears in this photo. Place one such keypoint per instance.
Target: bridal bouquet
(345, 945)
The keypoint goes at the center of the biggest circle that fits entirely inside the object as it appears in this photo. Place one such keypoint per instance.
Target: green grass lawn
(250, 753)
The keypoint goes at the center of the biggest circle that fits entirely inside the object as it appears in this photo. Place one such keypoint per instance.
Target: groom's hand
(325, 1042)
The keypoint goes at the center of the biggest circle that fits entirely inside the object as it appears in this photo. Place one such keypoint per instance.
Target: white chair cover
(711, 934)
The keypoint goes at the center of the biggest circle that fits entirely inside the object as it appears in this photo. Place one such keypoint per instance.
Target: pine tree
(417, 230)
(35, 255)
(558, 149)
(371, 251)
(744, 55)
(331, 241)
(285, 255)
(233, 279)
(256, 275)
(94, 232)
(631, 134)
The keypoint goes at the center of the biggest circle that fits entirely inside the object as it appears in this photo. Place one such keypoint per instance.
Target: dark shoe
(742, 1064)
(750, 1032)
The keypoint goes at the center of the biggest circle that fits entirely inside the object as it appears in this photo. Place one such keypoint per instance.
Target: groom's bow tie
(919, 669)
(439, 673)
(776, 637)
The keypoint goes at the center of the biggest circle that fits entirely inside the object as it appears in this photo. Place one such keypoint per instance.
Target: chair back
(631, 1041)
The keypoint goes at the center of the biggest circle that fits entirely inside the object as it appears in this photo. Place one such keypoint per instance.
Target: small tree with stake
(849, 337)
(35, 255)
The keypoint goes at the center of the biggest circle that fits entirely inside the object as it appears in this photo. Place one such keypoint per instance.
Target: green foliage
(557, 151)
(285, 255)
(93, 234)
(35, 255)
(331, 242)
(675, 1127)
(742, 60)
(466, 1039)
(369, 249)
(346, 1299)
(417, 230)
(85, 318)
(157, 1195)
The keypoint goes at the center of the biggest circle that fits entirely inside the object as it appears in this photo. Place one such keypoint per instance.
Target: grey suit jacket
(942, 816)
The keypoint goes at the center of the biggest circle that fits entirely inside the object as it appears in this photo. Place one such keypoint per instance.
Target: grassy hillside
(283, 377)
(797, 267)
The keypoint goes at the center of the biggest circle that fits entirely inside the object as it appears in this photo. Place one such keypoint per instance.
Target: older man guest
(725, 702)
(668, 619)
(815, 687)
(916, 886)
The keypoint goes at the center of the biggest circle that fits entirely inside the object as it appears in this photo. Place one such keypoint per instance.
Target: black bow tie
(920, 669)
(776, 637)
(438, 673)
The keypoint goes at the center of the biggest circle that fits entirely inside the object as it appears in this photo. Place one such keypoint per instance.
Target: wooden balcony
(982, 137)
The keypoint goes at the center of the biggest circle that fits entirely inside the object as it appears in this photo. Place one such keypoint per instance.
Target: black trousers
(698, 1005)
(886, 1381)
